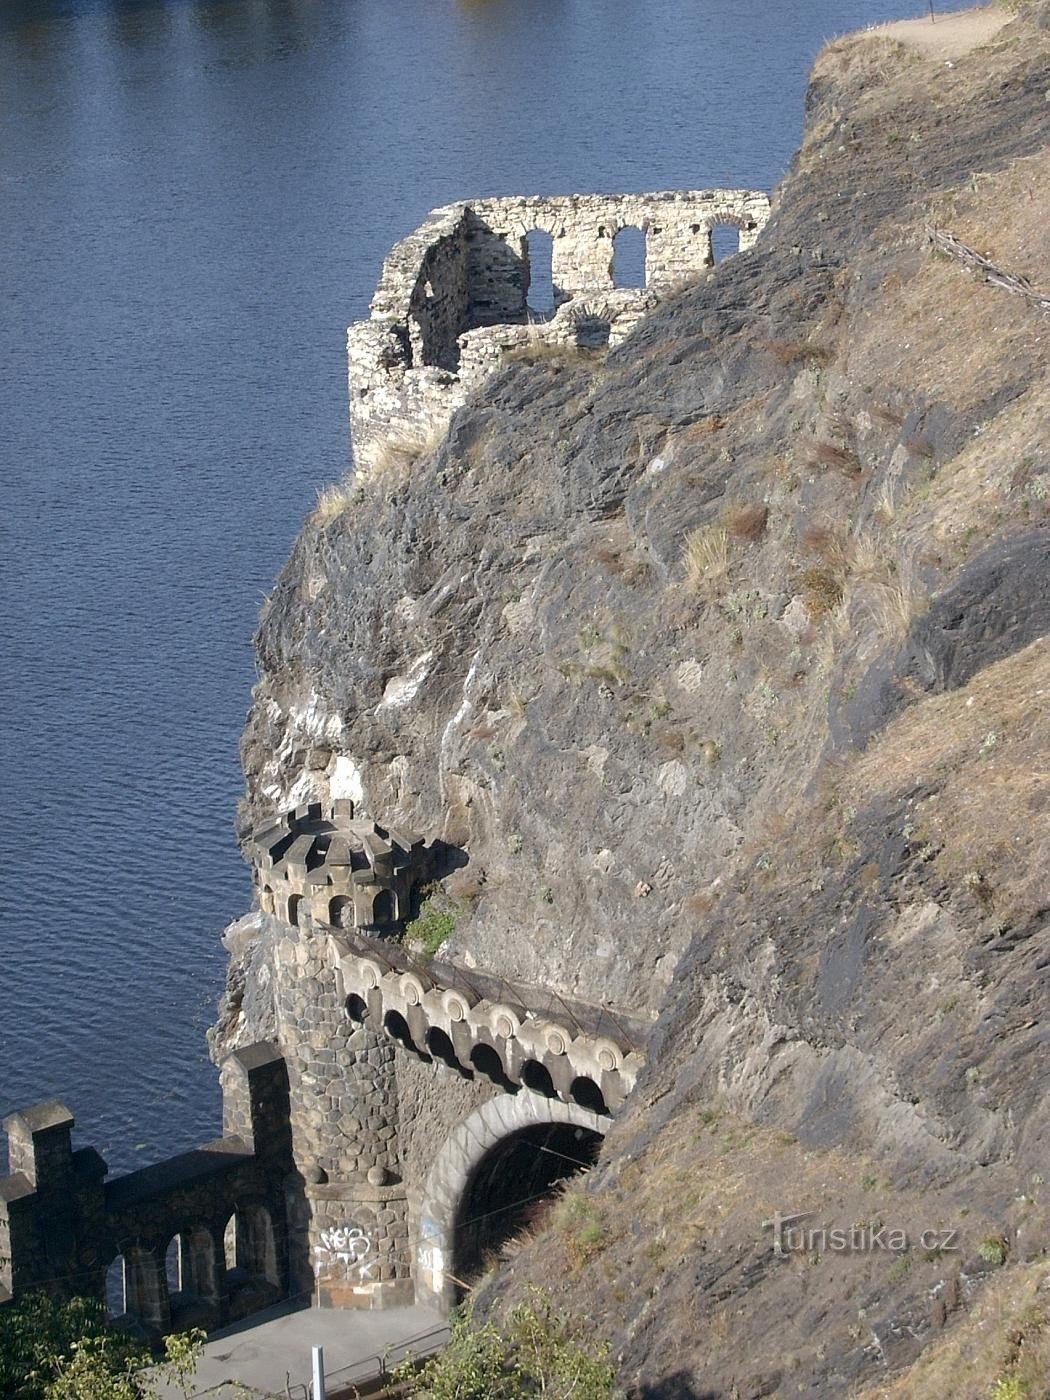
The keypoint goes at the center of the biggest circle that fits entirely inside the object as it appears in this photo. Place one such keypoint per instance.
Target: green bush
(433, 927)
(536, 1351)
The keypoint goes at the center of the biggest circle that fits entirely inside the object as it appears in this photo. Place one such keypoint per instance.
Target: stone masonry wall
(352, 1219)
(452, 298)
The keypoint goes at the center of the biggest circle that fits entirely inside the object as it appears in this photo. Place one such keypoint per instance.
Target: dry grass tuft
(393, 458)
(746, 520)
(705, 427)
(889, 417)
(334, 500)
(705, 558)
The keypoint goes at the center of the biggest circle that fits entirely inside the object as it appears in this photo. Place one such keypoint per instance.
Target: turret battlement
(325, 864)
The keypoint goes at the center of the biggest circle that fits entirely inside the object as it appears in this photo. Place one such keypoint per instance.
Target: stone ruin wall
(452, 298)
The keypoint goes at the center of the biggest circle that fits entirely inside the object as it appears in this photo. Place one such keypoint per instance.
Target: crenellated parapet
(452, 299)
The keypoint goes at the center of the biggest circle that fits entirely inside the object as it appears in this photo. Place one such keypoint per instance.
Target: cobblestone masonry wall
(353, 1216)
(452, 298)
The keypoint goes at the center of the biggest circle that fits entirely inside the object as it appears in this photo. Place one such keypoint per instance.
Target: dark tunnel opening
(511, 1188)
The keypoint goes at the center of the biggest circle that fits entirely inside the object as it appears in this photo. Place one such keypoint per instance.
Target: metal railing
(368, 1371)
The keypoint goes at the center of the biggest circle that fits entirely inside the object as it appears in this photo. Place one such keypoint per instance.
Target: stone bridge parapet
(453, 297)
(502, 1039)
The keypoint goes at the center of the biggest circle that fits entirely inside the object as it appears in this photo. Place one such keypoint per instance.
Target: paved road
(269, 1355)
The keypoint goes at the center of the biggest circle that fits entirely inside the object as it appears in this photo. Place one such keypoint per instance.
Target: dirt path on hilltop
(949, 35)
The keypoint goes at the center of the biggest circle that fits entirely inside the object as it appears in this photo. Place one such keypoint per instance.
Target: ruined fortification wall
(453, 297)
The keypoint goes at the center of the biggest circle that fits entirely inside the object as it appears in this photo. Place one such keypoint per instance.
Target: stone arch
(294, 901)
(135, 1282)
(445, 1232)
(584, 1091)
(725, 239)
(249, 1244)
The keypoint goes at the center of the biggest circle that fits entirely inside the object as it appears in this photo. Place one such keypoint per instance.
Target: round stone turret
(325, 865)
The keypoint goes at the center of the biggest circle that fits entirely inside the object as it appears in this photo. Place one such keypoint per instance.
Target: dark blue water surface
(194, 201)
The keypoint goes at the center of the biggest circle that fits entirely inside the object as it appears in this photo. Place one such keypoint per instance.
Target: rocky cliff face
(722, 661)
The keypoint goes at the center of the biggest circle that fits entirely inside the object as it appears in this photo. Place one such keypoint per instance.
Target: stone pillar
(255, 1106)
(146, 1290)
(38, 1234)
(39, 1145)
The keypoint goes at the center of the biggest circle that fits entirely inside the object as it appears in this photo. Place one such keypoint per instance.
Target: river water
(194, 201)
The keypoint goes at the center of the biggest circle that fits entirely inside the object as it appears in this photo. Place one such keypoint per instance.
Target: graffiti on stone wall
(347, 1248)
(431, 1257)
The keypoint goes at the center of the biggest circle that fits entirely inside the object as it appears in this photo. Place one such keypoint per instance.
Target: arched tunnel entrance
(492, 1178)
(511, 1188)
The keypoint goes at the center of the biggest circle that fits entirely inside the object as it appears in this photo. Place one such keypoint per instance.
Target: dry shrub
(920, 446)
(832, 456)
(705, 558)
(823, 584)
(699, 904)
(831, 546)
(621, 560)
(794, 352)
(746, 520)
(822, 590)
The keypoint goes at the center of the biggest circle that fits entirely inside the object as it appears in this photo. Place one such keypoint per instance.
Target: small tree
(52, 1350)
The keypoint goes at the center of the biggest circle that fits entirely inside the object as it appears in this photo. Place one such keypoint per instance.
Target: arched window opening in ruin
(189, 1268)
(229, 1243)
(511, 1189)
(540, 253)
(725, 241)
(439, 1043)
(294, 900)
(383, 908)
(629, 258)
(537, 1078)
(487, 1062)
(173, 1264)
(397, 1029)
(249, 1247)
(356, 1007)
(586, 1093)
(116, 1299)
(341, 911)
